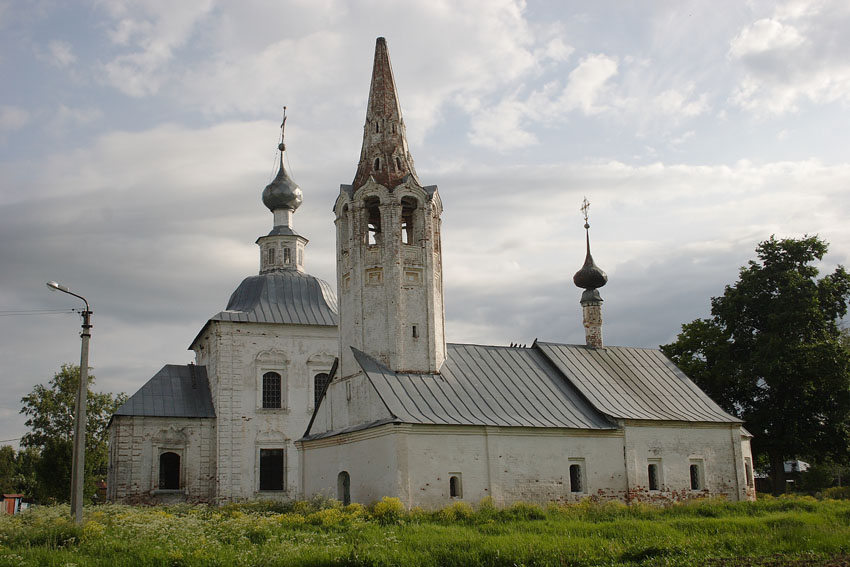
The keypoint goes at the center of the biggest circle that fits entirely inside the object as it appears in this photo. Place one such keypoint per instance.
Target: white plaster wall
(240, 353)
(415, 463)
(369, 457)
(135, 444)
(717, 447)
(511, 464)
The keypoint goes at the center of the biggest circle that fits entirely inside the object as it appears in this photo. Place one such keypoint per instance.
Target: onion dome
(282, 192)
(590, 276)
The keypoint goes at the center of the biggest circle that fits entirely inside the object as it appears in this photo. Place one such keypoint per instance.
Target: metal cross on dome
(585, 206)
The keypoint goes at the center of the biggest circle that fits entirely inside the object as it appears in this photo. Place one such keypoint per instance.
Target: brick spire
(384, 154)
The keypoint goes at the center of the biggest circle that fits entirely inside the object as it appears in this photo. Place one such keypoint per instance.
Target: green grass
(769, 532)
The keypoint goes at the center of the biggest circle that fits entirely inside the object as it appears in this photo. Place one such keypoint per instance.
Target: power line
(38, 312)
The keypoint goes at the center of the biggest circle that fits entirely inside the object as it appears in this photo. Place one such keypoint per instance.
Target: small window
(377, 164)
(377, 128)
(652, 472)
(696, 477)
(343, 488)
(271, 469)
(287, 255)
(397, 164)
(169, 471)
(320, 382)
(272, 390)
(271, 256)
(300, 257)
(576, 480)
(415, 332)
(748, 470)
(455, 486)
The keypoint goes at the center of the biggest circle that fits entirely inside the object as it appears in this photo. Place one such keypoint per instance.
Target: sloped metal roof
(174, 391)
(288, 297)
(634, 383)
(484, 385)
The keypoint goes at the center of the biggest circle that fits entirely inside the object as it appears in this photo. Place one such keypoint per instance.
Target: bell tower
(389, 265)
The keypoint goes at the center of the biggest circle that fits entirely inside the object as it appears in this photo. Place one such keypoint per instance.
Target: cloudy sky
(136, 138)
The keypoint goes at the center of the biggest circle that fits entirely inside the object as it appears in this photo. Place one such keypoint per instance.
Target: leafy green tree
(772, 354)
(51, 422)
(8, 470)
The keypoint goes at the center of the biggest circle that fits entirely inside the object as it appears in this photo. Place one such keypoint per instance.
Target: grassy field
(770, 532)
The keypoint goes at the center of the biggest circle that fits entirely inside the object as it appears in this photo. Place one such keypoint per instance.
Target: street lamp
(79, 455)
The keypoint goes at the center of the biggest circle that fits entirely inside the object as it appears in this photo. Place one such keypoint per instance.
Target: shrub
(388, 511)
(836, 493)
(457, 512)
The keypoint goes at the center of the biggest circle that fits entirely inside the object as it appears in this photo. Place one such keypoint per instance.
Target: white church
(293, 394)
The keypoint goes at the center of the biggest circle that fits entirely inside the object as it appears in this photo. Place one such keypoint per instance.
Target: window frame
(263, 394)
(579, 465)
(179, 472)
(283, 456)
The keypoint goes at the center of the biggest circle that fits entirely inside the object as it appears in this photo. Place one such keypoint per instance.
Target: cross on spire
(282, 146)
(585, 206)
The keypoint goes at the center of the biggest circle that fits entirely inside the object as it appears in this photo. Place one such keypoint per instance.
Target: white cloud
(765, 35)
(61, 52)
(13, 118)
(153, 30)
(500, 127)
(587, 82)
(800, 54)
(676, 103)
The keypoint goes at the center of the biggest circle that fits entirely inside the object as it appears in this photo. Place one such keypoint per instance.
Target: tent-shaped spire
(384, 154)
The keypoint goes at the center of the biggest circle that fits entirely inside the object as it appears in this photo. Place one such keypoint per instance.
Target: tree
(772, 354)
(51, 421)
(8, 470)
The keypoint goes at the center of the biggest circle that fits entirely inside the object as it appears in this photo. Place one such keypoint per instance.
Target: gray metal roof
(484, 385)
(634, 383)
(174, 391)
(287, 296)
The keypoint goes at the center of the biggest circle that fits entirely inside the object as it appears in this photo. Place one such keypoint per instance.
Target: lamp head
(57, 286)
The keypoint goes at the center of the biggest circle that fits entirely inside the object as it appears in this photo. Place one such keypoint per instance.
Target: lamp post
(79, 455)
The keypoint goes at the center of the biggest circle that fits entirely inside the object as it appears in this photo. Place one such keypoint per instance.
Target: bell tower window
(373, 212)
(271, 256)
(287, 256)
(408, 206)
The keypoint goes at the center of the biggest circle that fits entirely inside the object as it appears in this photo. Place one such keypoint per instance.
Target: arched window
(455, 487)
(576, 479)
(343, 488)
(408, 206)
(652, 473)
(272, 390)
(320, 382)
(377, 164)
(696, 477)
(169, 471)
(373, 212)
(397, 164)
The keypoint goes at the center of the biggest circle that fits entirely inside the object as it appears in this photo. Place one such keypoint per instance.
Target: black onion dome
(282, 192)
(590, 276)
